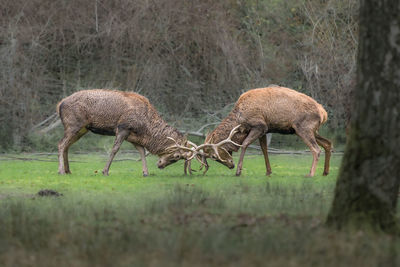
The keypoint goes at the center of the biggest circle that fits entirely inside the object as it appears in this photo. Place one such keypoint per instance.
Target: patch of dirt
(48, 193)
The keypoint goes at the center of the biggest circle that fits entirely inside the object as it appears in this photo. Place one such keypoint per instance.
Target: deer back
(278, 107)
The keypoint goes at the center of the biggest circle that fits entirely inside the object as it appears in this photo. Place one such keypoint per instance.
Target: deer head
(176, 152)
(215, 151)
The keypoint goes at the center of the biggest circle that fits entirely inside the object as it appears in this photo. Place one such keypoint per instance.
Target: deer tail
(323, 115)
(59, 109)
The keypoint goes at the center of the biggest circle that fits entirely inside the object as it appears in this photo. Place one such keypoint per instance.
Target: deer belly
(280, 129)
(102, 131)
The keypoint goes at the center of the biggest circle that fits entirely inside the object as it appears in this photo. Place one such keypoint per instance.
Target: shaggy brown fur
(273, 109)
(128, 116)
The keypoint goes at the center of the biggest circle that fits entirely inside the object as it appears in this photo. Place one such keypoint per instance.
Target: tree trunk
(368, 183)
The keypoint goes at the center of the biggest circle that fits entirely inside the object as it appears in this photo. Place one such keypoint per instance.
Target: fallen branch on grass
(35, 159)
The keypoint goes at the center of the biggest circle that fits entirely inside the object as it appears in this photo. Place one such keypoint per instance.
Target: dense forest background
(192, 59)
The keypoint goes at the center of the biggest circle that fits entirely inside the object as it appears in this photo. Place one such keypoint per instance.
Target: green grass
(168, 219)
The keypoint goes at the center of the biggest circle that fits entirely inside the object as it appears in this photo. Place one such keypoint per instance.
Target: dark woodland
(192, 59)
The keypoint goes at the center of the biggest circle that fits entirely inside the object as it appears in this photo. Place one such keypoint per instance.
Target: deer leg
(119, 138)
(70, 137)
(63, 153)
(142, 153)
(204, 160)
(187, 166)
(253, 135)
(327, 145)
(309, 139)
(264, 148)
(81, 133)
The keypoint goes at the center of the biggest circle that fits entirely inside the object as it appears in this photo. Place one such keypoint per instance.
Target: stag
(125, 115)
(260, 111)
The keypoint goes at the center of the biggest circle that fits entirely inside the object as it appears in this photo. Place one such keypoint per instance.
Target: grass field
(168, 219)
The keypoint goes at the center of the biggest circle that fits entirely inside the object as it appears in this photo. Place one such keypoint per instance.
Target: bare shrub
(328, 61)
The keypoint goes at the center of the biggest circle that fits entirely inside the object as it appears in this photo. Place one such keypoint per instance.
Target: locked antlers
(194, 151)
(218, 145)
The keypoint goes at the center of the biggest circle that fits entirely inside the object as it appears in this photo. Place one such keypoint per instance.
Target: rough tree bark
(368, 184)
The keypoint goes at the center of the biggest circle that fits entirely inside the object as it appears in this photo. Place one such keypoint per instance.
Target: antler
(201, 157)
(177, 145)
(194, 154)
(216, 146)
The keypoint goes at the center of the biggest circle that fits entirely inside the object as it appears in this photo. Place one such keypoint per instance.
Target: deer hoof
(145, 174)
(325, 173)
(105, 173)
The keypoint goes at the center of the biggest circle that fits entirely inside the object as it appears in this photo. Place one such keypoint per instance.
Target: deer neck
(158, 140)
(222, 132)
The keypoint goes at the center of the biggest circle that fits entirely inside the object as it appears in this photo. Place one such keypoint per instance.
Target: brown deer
(128, 116)
(273, 109)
